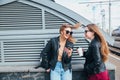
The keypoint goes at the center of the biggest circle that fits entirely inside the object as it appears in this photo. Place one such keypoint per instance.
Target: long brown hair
(71, 39)
(104, 46)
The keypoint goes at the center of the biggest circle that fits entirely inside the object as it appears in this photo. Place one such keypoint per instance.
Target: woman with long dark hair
(96, 55)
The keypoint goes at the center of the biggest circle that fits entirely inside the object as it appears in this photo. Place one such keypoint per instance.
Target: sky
(97, 13)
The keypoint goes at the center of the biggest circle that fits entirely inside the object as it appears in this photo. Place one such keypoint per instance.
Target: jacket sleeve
(46, 53)
(95, 51)
(84, 54)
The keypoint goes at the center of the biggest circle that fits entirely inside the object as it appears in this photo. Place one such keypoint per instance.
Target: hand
(48, 70)
(80, 51)
(77, 51)
(68, 51)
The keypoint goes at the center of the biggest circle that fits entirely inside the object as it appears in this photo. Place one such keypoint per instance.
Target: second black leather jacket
(94, 63)
(51, 51)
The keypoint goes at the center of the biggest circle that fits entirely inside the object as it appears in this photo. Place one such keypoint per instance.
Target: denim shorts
(59, 74)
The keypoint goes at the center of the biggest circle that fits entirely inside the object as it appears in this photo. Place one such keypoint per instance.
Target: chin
(86, 37)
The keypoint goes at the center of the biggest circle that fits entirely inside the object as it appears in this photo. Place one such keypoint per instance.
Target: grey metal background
(25, 28)
(27, 25)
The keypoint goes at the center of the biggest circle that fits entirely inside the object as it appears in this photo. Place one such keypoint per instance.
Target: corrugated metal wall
(18, 16)
(24, 31)
(0, 52)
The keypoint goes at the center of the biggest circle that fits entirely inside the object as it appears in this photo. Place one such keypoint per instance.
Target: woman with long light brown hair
(58, 52)
(96, 55)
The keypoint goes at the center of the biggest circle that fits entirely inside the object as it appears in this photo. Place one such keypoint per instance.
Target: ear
(93, 33)
(61, 32)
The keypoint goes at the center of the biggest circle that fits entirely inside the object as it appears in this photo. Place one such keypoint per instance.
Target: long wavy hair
(104, 46)
(71, 39)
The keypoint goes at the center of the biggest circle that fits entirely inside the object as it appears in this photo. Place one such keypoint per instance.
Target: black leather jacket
(94, 63)
(51, 51)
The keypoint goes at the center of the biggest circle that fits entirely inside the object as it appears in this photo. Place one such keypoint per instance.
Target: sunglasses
(87, 31)
(69, 32)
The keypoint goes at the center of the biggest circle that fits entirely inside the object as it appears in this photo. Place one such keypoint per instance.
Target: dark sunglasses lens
(85, 31)
(71, 33)
(67, 32)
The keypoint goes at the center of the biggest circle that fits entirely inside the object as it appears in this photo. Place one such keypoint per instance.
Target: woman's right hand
(48, 70)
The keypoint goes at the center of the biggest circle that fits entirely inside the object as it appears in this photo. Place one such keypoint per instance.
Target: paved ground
(116, 61)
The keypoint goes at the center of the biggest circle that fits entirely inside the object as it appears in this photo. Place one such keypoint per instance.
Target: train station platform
(30, 73)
